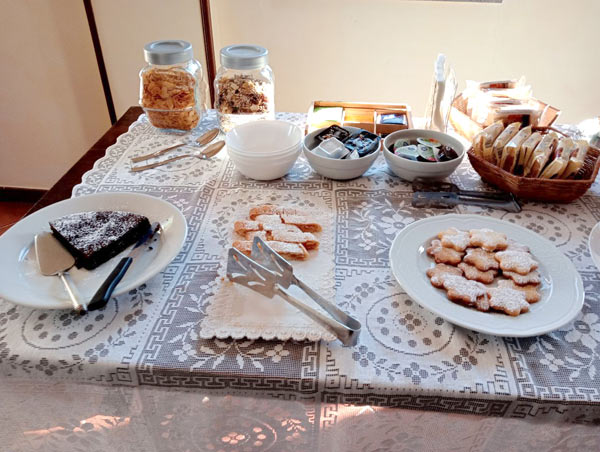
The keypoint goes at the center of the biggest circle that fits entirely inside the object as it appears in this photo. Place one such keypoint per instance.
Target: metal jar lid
(168, 52)
(244, 56)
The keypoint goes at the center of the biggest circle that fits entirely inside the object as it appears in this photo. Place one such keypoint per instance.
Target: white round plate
(561, 289)
(594, 244)
(22, 283)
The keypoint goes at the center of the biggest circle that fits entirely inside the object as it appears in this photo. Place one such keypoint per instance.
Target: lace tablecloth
(137, 376)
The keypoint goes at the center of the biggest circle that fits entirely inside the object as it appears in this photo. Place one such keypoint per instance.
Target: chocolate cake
(94, 237)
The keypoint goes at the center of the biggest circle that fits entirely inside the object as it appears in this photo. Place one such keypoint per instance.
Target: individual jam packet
(410, 152)
(445, 153)
(431, 142)
(333, 131)
(363, 142)
(426, 153)
(400, 143)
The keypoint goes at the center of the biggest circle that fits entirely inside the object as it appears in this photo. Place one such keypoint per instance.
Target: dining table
(139, 375)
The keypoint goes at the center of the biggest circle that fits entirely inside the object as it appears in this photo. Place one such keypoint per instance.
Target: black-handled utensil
(103, 294)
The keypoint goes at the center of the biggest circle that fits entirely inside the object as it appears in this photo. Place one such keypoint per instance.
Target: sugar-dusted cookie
(482, 259)
(305, 223)
(532, 278)
(270, 209)
(251, 234)
(531, 292)
(510, 301)
(516, 261)
(516, 246)
(488, 240)
(444, 255)
(242, 227)
(268, 219)
(454, 238)
(439, 272)
(472, 272)
(464, 291)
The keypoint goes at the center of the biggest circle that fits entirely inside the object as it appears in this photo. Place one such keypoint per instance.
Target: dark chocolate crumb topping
(91, 231)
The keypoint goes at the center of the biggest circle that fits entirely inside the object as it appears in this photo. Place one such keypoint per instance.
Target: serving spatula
(54, 260)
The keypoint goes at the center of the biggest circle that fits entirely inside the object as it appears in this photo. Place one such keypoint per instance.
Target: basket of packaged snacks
(535, 163)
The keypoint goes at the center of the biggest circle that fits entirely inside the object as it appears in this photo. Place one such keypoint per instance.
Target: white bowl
(409, 169)
(265, 168)
(339, 169)
(264, 137)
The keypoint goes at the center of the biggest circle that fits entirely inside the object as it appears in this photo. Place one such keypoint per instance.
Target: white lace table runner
(407, 357)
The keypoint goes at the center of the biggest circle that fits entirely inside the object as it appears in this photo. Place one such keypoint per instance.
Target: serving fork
(202, 140)
(207, 152)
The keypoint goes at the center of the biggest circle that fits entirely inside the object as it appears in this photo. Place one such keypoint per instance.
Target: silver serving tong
(448, 195)
(270, 274)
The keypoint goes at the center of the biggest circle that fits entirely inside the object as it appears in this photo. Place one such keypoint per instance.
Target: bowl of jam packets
(341, 153)
(421, 153)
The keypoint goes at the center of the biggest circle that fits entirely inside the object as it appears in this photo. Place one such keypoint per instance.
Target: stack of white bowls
(264, 150)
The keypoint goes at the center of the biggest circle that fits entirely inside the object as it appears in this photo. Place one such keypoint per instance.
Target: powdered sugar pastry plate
(561, 290)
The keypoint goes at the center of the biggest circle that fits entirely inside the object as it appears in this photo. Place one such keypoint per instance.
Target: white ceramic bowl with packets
(264, 150)
(410, 169)
(338, 169)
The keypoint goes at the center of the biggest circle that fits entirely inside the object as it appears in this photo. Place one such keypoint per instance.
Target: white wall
(52, 106)
(383, 50)
(125, 26)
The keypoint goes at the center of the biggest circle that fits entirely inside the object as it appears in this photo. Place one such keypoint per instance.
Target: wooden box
(464, 125)
(361, 115)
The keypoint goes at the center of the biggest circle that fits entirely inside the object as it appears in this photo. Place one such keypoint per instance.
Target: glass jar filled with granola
(244, 86)
(172, 86)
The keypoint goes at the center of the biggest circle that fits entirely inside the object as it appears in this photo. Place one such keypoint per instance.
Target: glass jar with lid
(244, 86)
(172, 86)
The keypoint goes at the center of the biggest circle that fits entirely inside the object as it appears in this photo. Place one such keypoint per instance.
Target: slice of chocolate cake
(94, 237)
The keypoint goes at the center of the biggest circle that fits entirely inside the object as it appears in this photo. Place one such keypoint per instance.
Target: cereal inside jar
(244, 86)
(171, 86)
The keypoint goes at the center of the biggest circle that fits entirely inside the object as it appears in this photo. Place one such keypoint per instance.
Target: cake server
(105, 291)
(275, 279)
(54, 260)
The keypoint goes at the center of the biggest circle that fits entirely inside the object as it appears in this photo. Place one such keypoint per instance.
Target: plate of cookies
(487, 275)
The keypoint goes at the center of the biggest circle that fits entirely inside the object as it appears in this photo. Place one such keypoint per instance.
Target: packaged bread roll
(527, 152)
(503, 139)
(555, 168)
(484, 140)
(511, 151)
(576, 160)
(541, 154)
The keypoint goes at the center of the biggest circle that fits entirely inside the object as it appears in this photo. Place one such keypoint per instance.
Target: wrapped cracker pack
(555, 168)
(576, 160)
(510, 154)
(502, 140)
(541, 155)
(484, 141)
(526, 152)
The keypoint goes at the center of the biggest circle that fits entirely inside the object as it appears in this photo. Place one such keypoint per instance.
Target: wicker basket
(535, 189)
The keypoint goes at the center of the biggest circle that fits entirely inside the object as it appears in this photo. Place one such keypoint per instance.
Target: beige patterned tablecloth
(137, 376)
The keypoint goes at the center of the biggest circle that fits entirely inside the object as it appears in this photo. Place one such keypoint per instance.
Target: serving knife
(103, 294)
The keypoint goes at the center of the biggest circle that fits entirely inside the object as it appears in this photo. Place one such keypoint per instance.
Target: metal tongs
(270, 274)
(447, 195)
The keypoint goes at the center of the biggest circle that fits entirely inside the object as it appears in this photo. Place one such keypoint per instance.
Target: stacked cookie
(286, 230)
(482, 268)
